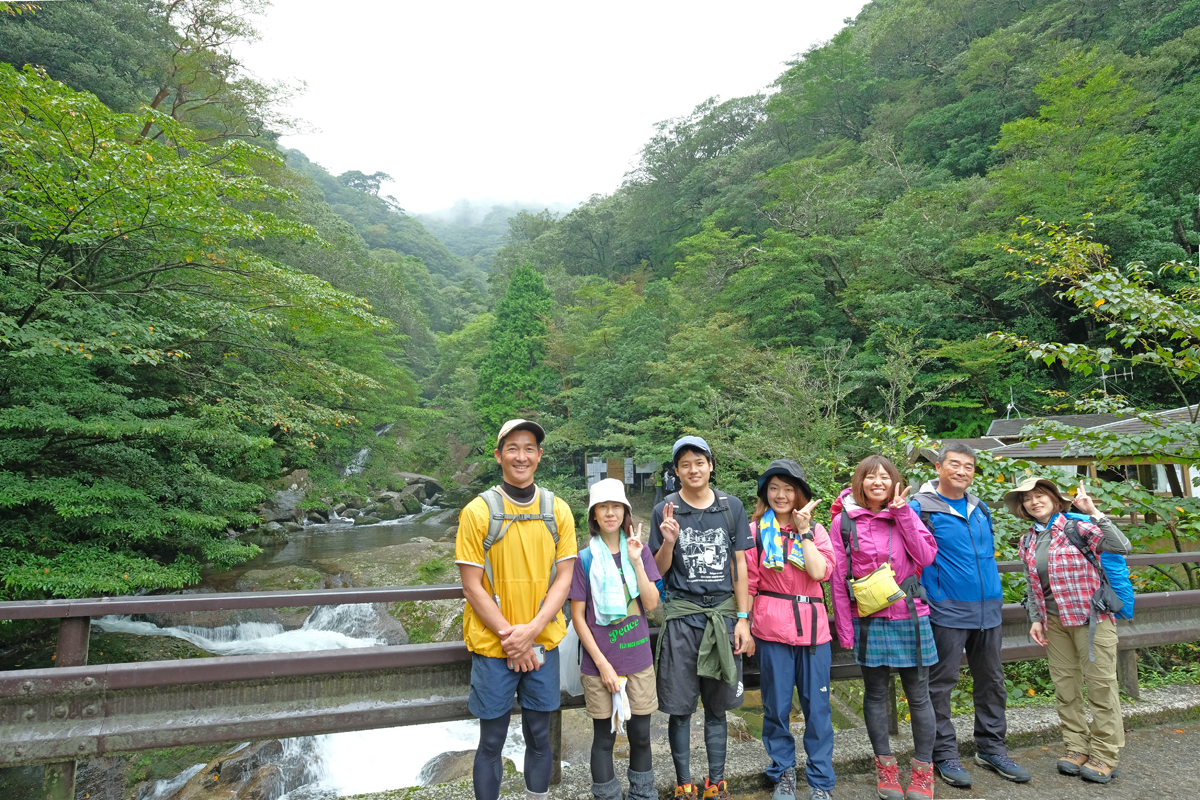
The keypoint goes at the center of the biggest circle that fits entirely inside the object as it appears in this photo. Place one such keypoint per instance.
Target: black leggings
(875, 710)
(489, 766)
(637, 728)
(716, 735)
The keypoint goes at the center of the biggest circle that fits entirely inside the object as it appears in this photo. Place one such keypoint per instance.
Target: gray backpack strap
(497, 527)
(547, 509)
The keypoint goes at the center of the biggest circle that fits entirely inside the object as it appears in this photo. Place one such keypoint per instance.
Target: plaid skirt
(893, 643)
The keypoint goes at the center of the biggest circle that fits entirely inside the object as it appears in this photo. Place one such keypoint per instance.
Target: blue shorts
(493, 685)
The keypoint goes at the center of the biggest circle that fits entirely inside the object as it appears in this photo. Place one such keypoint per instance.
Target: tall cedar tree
(513, 371)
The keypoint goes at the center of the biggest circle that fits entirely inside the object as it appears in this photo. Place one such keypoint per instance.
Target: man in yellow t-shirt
(513, 628)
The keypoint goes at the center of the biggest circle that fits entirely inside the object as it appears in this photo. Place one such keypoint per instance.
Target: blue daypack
(1117, 570)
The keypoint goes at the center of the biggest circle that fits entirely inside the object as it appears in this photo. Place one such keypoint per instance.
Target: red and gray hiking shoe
(920, 782)
(887, 778)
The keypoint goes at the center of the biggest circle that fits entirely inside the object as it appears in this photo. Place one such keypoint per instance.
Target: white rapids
(338, 764)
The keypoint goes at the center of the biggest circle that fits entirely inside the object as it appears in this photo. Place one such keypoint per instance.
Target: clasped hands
(517, 642)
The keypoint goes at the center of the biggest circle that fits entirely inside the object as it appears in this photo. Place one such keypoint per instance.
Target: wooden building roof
(1055, 448)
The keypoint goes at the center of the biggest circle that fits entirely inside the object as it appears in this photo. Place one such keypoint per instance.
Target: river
(340, 764)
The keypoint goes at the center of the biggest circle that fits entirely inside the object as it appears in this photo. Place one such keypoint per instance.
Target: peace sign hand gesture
(899, 498)
(1084, 502)
(802, 517)
(633, 543)
(669, 526)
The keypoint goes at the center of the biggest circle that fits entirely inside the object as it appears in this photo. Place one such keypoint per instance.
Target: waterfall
(338, 764)
(358, 463)
(168, 786)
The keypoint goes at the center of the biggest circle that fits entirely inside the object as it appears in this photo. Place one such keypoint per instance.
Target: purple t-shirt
(626, 644)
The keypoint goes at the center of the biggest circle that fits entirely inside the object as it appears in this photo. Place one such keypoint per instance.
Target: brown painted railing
(75, 711)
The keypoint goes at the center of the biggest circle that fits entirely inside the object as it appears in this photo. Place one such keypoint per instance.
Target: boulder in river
(446, 767)
(252, 772)
(408, 564)
(283, 505)
(281, 579)
(367, 519)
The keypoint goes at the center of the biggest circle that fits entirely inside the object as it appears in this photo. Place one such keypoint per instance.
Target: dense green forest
(189, 311)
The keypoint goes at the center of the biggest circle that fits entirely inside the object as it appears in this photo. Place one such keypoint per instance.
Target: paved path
(1158, 762)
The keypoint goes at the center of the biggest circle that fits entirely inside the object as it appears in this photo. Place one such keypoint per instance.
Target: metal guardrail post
(556, 747)
(58, 782)
(1127, 674)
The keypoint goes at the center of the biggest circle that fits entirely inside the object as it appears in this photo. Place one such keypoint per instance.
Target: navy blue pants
(783, 667)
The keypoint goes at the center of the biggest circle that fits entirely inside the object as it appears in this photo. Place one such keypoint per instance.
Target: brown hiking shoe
(687, 791)
(1097, 771)
(1071, 761)
(716, 791)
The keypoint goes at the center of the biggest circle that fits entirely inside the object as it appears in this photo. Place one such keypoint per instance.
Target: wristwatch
(808, 534)
(743, 615)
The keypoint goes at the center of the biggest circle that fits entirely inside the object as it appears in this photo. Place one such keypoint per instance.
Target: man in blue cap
(699, 536)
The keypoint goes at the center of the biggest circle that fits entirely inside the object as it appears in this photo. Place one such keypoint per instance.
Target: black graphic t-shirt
(701, 563)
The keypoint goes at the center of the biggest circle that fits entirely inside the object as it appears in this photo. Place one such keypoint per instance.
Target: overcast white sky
(531, 101)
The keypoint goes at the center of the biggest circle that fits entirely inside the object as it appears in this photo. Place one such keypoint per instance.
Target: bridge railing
(76, 711)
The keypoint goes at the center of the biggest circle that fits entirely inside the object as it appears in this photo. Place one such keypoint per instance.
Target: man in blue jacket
(963, 588)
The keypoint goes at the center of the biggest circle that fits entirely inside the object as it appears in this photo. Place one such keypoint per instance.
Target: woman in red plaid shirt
(1061, 582)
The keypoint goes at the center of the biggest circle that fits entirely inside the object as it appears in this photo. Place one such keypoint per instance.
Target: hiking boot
(952, 772)
(720, 791)
(1097, 771)
(1070, 763)
(687, 791)
(920, 782)
(887, 778)
(1003, 766)
(818, 794)
(786, 788)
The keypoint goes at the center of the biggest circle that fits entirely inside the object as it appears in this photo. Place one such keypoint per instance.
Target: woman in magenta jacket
(786, 567)
(873, 521)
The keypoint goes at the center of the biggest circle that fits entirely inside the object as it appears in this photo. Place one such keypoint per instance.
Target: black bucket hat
(788, 469)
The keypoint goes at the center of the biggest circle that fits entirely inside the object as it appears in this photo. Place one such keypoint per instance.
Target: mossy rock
(157, 765)
(282, 579)
(404, 564)
(125, 648)
(410, 564)
(430, 620)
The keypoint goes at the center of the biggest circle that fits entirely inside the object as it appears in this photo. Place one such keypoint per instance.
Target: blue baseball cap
(690, 441)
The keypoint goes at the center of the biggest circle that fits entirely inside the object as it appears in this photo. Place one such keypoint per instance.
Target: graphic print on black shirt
(706, 554)
(701, 561)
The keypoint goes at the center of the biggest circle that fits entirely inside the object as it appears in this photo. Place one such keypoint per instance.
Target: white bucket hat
(609, 490)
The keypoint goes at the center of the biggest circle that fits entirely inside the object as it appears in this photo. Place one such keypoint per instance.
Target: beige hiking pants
(1070, 669)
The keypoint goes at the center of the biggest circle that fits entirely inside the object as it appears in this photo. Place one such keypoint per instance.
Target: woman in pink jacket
(787, 567)
(876, 525)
